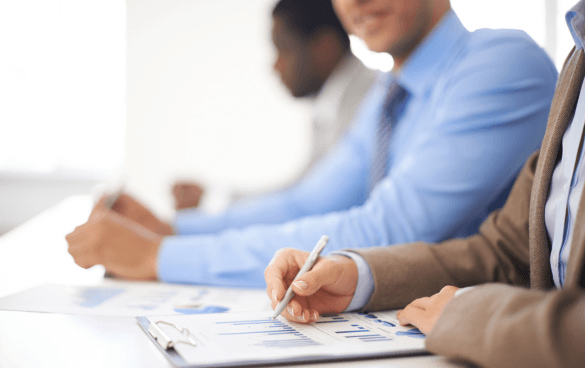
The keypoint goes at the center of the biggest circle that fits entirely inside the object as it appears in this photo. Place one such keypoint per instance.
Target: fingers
(82, 243)
(333, 274)
(285, 262)
(421, 303)
(187, 194)
(424, 312)
(85, 241)
(411, 315)
(294, 312)
(323, 273)
(449, 290)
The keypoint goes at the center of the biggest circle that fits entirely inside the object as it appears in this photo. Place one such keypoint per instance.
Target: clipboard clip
(164, 340)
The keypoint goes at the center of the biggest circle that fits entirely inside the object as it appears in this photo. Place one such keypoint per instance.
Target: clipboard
(214, 340)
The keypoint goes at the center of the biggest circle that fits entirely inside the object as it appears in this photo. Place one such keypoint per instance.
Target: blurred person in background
(436, 146)
(313, 60)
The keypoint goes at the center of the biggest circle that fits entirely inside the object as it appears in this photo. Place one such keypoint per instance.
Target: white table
(35, 253)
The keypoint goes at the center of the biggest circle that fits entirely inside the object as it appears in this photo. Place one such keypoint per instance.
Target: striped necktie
(390, 115)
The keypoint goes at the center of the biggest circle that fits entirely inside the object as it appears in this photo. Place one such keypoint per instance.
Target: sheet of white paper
(124, 298)
(246, 337)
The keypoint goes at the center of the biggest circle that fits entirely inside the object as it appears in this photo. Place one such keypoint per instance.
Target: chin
(377, 46)
(297, 94)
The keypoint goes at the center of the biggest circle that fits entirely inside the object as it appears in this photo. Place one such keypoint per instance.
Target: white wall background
(62, 100)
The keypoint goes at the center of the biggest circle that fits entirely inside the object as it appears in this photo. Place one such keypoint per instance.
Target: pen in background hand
(306, 267)
(112, 198)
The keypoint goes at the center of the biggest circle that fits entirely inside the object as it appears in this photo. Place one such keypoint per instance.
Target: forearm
(268, 209)
(503, 326)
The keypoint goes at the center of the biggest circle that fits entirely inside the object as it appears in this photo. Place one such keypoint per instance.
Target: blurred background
(100, 93)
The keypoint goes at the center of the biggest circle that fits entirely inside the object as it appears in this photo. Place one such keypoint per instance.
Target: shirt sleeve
(463, 291)
(482, 128)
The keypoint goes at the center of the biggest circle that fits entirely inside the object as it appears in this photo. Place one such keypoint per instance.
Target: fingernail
(315, 316)
(301, 285)
(290, 310)
(274, 295)
(301, 317)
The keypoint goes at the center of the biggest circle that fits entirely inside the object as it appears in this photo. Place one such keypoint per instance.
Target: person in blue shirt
(437, 143)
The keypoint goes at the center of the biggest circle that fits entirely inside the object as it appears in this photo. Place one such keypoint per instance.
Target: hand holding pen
(327, 287)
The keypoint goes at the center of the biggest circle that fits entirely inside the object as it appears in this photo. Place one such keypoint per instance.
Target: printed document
(125, 298)
(246, 338)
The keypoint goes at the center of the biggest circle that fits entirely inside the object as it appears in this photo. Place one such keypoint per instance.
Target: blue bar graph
(265, 332)
(368, 315)
(91, 297)
(415, 332)
(153, 299)
(335, 318)
(369, 337)
(268, 333)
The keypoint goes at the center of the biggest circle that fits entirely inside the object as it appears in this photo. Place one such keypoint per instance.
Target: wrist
(150, 264)
(151, 268)
(165, 229)
(364, 280)
(347, 271)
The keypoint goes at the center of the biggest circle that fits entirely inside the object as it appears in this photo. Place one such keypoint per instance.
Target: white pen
(306, 267)
(112, 198)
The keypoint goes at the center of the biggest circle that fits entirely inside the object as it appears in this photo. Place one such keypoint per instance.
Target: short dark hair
(307, 17)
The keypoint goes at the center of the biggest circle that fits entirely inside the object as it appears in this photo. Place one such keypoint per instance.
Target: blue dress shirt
(569, 175)
(478, 105)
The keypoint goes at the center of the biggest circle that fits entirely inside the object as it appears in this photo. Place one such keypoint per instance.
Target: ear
(326, 49)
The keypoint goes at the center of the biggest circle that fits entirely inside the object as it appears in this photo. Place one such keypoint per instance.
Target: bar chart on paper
(265, 332)
(246, 337)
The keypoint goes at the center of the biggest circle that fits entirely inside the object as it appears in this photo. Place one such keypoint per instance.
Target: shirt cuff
(365, 285)
(463, 290)
(179, 260)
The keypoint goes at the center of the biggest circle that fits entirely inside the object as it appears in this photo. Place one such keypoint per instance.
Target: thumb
(322, 274)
